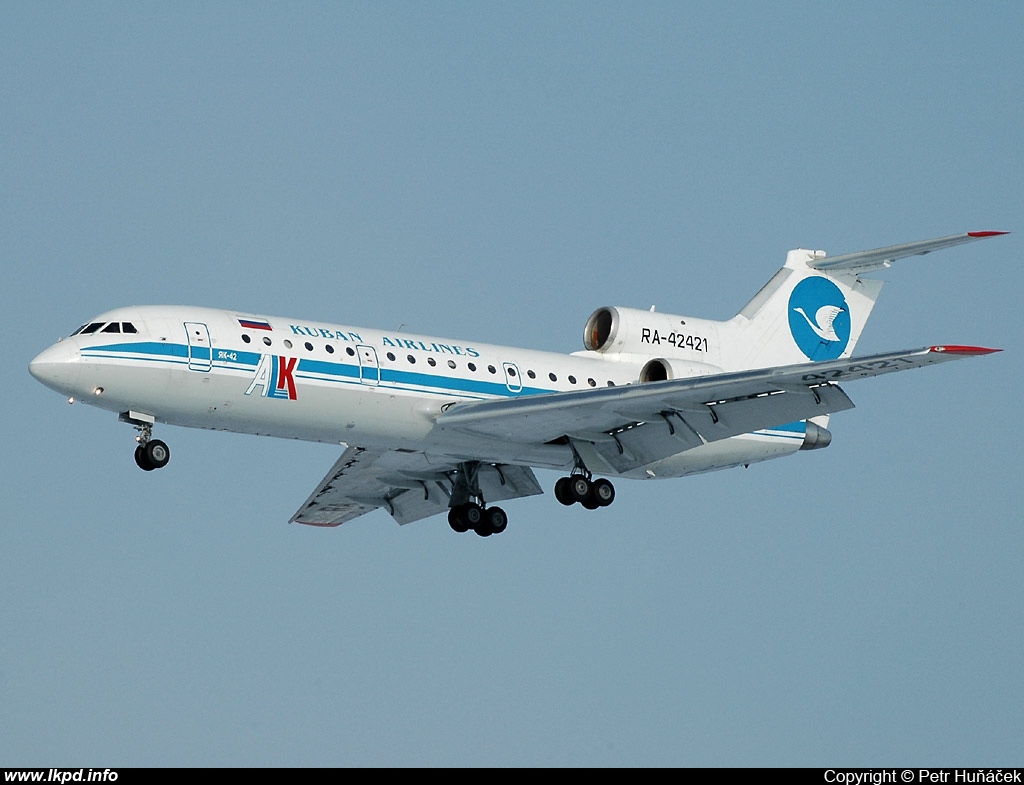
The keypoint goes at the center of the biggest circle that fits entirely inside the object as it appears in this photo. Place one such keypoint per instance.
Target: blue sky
(495, 172)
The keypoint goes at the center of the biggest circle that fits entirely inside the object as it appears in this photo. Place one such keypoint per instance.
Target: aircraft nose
(57, 367)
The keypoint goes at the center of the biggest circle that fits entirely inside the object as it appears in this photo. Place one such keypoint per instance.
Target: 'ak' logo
(274, 376)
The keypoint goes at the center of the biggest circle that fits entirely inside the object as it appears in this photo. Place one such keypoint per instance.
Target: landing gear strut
(468, 509)
(151, 453)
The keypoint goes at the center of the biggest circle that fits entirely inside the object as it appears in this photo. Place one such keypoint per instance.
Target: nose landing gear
(151, 453)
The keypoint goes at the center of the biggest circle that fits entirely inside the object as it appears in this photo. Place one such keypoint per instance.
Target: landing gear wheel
(563, 493)
(141, 460)
(602, 492)
(472, 514)
(496, 519)
(464, 517)
(157, 453)
(456, 521)
(579, 488)
(154, 454)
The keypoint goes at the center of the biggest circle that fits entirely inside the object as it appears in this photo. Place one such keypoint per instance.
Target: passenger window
(431, 362)
(391, 356)
(266, 340)
(451, 363)
(309, 346)
(246, 338)
(411, 359)
(552, 377)
(471, 366)
(330, 349)
(531, 374)
(491, 369)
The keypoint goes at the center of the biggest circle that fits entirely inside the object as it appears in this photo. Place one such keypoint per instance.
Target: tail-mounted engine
(668, 346)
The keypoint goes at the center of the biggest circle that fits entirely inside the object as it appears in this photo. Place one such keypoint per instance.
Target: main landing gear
(467, 509)
(485, 521)
(582, 489)
(151, 453)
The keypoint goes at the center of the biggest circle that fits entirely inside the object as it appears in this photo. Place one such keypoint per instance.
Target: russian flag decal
(255, 324)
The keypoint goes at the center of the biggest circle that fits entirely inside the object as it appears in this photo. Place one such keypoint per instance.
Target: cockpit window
(112, 327)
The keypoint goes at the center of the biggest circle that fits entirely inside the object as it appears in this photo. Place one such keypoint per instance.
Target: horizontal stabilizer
(881, 257)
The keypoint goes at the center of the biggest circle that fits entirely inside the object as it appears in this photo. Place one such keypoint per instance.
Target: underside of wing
(635, 425)
(410, 485)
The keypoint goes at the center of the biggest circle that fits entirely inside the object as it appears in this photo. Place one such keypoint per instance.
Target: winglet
(969, 350)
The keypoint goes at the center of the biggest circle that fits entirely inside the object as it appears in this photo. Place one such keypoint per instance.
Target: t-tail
(816, 306)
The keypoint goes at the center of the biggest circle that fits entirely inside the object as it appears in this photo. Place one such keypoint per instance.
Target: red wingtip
(963, 349)
(985, 234)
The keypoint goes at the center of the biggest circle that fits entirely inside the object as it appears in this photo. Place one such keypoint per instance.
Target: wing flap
(674, 431)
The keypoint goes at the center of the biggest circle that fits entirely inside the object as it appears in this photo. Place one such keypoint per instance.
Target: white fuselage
(298, 379)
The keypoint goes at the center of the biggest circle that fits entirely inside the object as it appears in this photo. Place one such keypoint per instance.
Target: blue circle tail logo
(819, 318)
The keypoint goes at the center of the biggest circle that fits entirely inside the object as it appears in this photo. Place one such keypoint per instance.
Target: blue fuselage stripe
(349, 373)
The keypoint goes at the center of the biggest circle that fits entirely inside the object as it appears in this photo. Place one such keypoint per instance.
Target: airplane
(432, 425)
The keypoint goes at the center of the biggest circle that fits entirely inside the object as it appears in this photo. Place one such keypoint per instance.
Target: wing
(627, 426)
(636, 425)
(410, 485)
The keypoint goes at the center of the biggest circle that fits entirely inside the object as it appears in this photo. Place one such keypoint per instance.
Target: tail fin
(816, 306)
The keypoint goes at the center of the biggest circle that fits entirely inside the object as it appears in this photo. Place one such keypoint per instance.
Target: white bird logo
(823, 319)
